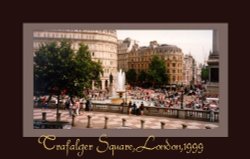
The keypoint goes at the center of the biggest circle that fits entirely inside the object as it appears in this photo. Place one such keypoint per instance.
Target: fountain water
(120, 83)
(120, 88)
(117, 89)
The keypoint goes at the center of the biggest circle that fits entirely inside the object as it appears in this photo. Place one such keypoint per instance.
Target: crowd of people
(190, 98)
(73, 105)
(186, 98)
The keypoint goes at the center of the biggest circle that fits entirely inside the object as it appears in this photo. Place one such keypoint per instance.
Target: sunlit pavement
(114, 120)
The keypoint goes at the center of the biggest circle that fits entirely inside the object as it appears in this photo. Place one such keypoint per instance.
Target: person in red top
(44, 103)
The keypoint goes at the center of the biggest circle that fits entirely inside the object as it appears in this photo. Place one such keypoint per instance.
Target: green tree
(143, 78)
(131, 76)
(157, 72)
(85, 70)
(58, 69)
(204, 74)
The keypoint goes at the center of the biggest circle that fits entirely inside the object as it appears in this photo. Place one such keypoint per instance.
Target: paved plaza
(115, 120)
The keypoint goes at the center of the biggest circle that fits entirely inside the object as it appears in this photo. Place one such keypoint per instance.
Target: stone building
(139, 59)
(102, 45)
(189, 70)
(124, 47)
(198, 74)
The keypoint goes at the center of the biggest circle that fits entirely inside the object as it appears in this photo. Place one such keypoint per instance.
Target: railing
(204, 115)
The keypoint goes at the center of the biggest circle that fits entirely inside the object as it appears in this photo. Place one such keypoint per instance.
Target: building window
(173, 78)
(93, 54)
(173, 64)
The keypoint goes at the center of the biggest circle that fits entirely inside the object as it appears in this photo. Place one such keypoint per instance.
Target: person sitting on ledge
(134, 108)
(141, 109)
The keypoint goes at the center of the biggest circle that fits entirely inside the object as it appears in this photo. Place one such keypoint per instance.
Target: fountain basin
(117, 101)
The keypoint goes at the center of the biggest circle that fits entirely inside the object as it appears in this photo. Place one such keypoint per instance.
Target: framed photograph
(125, 80)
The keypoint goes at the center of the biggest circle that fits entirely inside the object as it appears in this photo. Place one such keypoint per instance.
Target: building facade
(191, 71)
(198, 73)
(102, 45)
(188, 70)
(139, 59)
(124, 47)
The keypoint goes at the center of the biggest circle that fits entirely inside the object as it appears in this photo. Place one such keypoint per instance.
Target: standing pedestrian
(87, 105)
(67, 103)
(90, 105)
(129, 107)
(77, 106)
(70, 106)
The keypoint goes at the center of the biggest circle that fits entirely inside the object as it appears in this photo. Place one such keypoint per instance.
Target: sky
(196, 42)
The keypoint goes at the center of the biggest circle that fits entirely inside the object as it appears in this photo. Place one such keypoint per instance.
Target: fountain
(120, 88)
(118, 91)
(120, 83)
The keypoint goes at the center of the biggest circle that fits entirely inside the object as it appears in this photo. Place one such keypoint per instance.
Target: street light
(182, 94)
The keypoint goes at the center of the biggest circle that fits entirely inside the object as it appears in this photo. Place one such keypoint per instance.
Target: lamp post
(182, 94)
